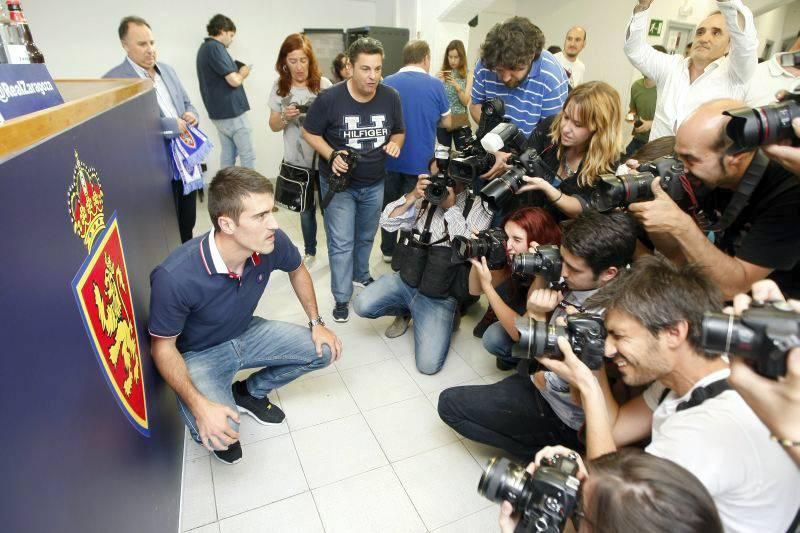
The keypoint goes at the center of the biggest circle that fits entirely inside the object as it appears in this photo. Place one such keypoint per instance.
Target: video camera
(585, 332)
(500, 190)
(614, 192)
(545, 262)
(764, 333)
(544, 500)
(751, 128)
(490, 243)
(472, 159)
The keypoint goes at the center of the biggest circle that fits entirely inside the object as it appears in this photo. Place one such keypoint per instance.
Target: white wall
(770, 27)
(79, 40)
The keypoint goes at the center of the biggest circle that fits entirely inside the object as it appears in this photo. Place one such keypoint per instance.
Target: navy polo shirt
(221, 100)
(195, 298)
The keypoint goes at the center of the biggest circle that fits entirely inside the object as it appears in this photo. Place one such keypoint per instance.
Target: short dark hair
(126, 21)
(515, 42)
(364, 45)
(635, 491)
(660, 48)
(655, 149)
(415, 52)
(602, 240)
(554, 49)
(659, 294)
(229, 187)
(218, 24)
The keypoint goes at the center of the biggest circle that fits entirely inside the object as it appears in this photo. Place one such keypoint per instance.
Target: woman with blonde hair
(579, 144)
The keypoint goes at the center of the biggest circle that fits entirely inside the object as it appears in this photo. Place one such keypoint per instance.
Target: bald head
(574, 42)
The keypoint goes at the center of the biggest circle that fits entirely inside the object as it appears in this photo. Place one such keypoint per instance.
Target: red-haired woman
(507, 293)
(298, 84)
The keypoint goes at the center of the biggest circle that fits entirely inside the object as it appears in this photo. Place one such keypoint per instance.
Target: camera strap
(750, 180)
(700, 394)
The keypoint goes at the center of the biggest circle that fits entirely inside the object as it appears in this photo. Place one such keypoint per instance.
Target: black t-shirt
(362, 126)
(767, 231)
(221, 100)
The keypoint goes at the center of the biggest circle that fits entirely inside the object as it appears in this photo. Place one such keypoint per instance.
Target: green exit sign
(654, 30)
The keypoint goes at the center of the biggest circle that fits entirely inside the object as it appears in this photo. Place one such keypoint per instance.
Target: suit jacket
(176, 91)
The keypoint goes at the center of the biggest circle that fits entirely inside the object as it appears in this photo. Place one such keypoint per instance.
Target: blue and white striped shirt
(540, 95)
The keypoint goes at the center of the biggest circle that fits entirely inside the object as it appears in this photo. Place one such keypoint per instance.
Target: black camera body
(490, 243)
(544, 500)
(499, 191)
(471, 159)
(764, 333)
(585, 332)
(544, 262)
(342, 182)
(614, 192)
(436, 191)
(303, 108)
(467, 168)
(751, 128)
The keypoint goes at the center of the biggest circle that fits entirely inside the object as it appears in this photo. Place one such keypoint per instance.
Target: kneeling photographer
(426, 286)
(624, 491)
(491, 254)
(653, 318)
(576, 146)
(523, 413)
(751, 205)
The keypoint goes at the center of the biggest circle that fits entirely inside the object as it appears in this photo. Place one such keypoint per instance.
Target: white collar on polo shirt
(412, 68)
(216, 257)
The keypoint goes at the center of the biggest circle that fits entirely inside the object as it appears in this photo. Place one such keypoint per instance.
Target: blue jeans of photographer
(433, 317)
(499, 343)
(351, 222)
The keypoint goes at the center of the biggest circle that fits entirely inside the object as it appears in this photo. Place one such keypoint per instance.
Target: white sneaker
(308, 260)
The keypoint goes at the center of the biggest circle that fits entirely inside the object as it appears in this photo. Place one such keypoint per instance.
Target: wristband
(559, 197)
(786, 443)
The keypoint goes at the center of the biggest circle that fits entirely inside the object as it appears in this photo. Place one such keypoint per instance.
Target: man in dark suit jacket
(174, 106)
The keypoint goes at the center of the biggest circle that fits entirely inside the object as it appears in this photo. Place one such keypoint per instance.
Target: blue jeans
(433, 317)
(351, 221)
(499, 343)
(234, 139)
(308, 224)
(396, 185)
(284, 350)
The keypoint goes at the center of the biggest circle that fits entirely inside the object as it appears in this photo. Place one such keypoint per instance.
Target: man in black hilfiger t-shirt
(754, 209)
(364, 116)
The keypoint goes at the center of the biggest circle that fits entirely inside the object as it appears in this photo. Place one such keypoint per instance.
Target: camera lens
(749, 128)
(505, 481)
(536, 338)
(722, 333)
(500, 190)
(637, 187)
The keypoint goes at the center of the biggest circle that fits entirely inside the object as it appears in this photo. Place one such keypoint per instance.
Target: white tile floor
(362, 448)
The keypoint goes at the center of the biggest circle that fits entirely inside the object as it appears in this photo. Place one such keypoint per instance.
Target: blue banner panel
(25, 89)
(93, 439)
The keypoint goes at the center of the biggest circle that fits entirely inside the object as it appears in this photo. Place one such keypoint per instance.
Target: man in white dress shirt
(771, 76)
(574, 42)
(722, 61)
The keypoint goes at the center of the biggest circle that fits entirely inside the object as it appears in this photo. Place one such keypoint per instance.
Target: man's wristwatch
(316, 322)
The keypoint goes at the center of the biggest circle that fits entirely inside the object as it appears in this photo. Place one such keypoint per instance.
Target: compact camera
(303, 108)
(764, 334)
(490, 243)
(614, 192)
(544, 500)
(585, 332)
(544, 262)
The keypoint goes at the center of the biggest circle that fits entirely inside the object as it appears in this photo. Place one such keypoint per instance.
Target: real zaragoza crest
(103, 292)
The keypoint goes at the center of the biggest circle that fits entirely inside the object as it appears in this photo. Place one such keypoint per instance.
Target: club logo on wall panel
(103, 294)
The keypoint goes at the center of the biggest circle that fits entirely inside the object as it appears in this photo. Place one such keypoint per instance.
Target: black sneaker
(488, 319)
(504, 365)
(231, 456)
(261, 409)
(341, 313)
(362, 284)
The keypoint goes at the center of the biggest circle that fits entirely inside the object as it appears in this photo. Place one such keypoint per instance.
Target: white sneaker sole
(262, 422)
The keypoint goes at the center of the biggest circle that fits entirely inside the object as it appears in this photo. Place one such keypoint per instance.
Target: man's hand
(338, 165)
(244, 71)
(422, 184)
(570, 369)
(543, 301)
(784, 153)
(212, 425)
(499, 166)
(662, 214)
(323, 336)
(291, 112)
(391, 148)
(548, 452)
(642, 5)
(182, 126)
(190, 118)
(645, 126)
(484, 274)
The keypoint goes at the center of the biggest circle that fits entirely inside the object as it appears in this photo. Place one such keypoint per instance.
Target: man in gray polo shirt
(221, 82)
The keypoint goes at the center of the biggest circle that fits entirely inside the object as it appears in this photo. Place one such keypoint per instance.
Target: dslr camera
(544, 500)
(490, 243)
(545, 262)
(303, 108)
(585, 332)
(614, 192)
(751, 128)
(500, 190)
(436, 191)
(472, 159)
(764, 334)
(342, 182)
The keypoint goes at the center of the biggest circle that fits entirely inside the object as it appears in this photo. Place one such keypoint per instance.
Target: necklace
(567, 171)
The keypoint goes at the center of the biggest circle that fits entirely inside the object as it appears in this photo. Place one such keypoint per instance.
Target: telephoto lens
(585, 332)
(617, 192)
(490, 243)
(500, 190)
(544, 500)
(763, 334)
(544, 262)
(751, 128)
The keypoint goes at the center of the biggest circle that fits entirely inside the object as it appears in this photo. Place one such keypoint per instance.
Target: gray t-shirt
(295, 150)
(556, 391)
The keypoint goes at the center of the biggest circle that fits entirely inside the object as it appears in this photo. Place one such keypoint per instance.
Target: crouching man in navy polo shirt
(201, 316)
